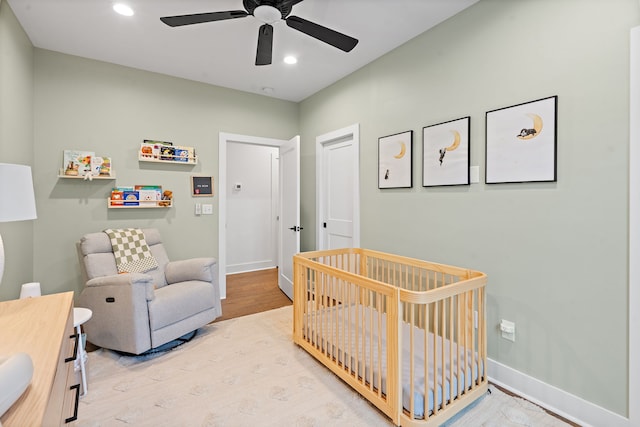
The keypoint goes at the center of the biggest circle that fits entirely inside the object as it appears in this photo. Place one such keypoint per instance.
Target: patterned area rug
(247, 372)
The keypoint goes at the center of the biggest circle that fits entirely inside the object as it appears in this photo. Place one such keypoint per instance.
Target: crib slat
(451, 352)
(443, 357)
(412, 367)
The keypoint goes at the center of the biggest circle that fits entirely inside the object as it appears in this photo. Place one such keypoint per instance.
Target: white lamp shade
(17, 201)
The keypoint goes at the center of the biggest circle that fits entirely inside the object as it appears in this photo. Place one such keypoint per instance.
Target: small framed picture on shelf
(201, 186)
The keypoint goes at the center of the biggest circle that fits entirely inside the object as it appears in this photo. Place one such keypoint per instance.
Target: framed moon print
(395, 160)
(521, 142)
(445, 153)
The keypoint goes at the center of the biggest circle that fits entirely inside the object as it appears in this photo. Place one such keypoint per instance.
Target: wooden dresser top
(35, 326)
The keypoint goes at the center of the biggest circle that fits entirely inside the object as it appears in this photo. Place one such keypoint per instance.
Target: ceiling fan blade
(327, 35)
(290, 2)
(265, 45)
(199, 18)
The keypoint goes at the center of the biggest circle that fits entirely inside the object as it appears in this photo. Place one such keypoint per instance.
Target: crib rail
(408, 335)
(330, 302)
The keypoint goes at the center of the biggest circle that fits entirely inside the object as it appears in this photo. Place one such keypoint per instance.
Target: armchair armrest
(190, 269)
(130, 279)
(120, 319)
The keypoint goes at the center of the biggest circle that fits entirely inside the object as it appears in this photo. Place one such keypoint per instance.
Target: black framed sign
(201, 186)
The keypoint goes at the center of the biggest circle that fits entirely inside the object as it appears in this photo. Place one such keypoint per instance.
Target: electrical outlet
(508, 330)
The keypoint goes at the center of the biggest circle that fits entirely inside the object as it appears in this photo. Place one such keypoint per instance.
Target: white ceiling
(223, 53)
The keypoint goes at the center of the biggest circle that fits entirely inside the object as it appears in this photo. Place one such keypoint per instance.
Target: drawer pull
(75, 409)
(75, 348)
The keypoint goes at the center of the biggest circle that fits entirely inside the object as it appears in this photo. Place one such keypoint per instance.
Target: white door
(338, 189)
(289, 212)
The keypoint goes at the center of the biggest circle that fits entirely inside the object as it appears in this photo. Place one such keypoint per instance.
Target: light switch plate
(207, 209)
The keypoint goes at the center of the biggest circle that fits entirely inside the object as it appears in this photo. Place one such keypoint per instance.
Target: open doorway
(252, 207)
(288, 228)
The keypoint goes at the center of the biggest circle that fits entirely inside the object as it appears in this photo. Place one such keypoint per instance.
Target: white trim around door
(347, 133)
(223, 140)
(634, 231)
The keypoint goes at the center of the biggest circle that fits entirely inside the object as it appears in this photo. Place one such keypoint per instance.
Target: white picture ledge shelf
(172, 161)
(145, 204)
(84, 177)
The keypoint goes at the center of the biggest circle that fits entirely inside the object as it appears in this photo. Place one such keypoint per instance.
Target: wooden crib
(408, 335)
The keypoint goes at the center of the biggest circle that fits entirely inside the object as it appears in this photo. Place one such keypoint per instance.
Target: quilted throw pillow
(131, 250)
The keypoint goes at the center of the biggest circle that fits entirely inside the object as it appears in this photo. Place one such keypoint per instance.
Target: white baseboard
(553, 399)
(250, 266)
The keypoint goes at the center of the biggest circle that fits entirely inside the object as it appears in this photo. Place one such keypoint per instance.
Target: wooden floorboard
(253, 292)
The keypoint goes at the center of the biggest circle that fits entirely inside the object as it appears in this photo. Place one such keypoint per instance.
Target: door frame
(352, 131)
(634, 230)
(225, 138)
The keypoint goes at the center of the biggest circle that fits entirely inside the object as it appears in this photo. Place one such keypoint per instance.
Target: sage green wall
(555, 253)
(109, 109)
(16, 142)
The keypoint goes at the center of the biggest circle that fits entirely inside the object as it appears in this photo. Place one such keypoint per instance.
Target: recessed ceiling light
(290, 59)
(123, 9)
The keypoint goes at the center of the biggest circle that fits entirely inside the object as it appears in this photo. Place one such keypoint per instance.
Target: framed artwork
(521, 142)
(445, 153)
(395, 160)
(201, 186)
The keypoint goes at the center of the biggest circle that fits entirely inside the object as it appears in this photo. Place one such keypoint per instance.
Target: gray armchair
(136, 312)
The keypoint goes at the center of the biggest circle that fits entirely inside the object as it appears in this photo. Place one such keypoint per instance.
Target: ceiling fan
(268, 12)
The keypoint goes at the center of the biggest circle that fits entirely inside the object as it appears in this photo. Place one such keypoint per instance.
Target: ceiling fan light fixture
(267, 14)
(123, 9)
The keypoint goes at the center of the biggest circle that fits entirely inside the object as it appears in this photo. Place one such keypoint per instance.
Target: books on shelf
(82, 163)
(101, 166)
(149, 195)
(184, 154)
(138, 195)
(117, 197)
(77, 162)
(164, 150)
(131, 198)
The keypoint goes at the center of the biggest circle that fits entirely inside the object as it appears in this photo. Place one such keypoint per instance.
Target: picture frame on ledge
(395, 160)
(521, 142)
(446, 153)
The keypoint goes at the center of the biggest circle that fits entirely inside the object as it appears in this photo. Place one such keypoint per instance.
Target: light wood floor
(257, 291)
(253, 292)
(249, 293)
